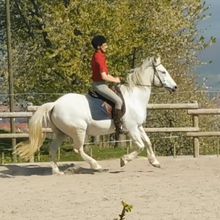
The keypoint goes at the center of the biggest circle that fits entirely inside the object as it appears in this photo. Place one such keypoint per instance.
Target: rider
(100, 77)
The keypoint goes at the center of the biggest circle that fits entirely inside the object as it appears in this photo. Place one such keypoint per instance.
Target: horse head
(151, 73)
(161, 76)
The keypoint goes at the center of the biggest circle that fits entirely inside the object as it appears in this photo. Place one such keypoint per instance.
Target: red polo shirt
(99, 65)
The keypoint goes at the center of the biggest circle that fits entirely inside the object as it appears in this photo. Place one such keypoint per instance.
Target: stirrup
(119, 130)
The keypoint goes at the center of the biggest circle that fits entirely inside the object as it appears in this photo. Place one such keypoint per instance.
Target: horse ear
(146, 62)
(157, 60)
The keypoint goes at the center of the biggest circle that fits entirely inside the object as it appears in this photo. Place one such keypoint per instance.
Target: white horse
(71, 115)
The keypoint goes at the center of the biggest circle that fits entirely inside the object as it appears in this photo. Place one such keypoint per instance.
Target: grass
(67, 154)
(95, 151)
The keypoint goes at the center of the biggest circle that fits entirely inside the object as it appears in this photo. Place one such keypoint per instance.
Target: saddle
(107, 104)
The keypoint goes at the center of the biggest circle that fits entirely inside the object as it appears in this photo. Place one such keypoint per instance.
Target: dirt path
(184, 188)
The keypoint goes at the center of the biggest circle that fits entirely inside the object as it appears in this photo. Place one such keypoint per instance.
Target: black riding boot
(118, 123)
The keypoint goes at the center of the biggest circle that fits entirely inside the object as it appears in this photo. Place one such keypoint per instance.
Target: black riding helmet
(98, 41)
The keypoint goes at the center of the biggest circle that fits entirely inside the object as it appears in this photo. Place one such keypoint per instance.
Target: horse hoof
(97, 168)
(154, 162)
(122, 162)
(73, 170)
(58, 173)
(157, 165)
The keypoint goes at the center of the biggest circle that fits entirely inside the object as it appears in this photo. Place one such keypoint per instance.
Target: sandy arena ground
(183, 189)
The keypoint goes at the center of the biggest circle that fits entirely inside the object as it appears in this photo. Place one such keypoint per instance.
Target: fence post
(90, 151)
(195, 139)
(3, 158)
(32, 159)
(38, 156)
(59, 154)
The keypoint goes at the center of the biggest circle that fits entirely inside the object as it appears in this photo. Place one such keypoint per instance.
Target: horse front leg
(150, 153)
(136, 137)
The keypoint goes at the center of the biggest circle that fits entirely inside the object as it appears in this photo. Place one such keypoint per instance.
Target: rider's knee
(119, 104)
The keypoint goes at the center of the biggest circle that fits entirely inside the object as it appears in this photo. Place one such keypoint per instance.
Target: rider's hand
(117, 80)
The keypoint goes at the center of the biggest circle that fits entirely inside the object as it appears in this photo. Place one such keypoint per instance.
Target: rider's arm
(103, 69)
(110, 78)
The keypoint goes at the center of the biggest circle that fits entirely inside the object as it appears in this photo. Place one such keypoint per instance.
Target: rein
(143, 85)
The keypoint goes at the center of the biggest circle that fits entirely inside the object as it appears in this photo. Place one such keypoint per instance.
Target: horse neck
(137, 94)
(141, 76)
(138, 90)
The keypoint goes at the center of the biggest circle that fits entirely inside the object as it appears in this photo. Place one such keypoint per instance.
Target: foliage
(52, 39)
(126, 208)
(3, 66)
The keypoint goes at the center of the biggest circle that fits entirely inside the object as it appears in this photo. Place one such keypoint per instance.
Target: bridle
(156, 74)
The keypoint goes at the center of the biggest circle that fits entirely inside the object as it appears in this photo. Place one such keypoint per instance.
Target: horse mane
(135, 76)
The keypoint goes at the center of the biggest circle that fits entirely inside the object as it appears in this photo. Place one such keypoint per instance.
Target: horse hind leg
(78, 140)
(59, 138)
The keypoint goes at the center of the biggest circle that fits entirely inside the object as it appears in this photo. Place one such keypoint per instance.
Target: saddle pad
(98, 108)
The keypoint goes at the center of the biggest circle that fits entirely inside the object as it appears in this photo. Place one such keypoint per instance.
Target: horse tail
(36, 136)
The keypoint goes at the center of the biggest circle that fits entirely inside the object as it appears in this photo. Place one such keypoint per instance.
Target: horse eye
(163, 72)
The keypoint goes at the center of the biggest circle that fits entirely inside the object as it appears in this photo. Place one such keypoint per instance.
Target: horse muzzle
(171, 89)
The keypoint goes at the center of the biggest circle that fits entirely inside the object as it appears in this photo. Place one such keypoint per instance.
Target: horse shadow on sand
(13, 170)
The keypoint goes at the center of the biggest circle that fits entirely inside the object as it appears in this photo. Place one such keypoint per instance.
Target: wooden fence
(191, 108)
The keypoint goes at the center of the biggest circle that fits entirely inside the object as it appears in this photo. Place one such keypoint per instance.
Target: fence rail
(203, 134)
(195, 114)
(15, 114)
(204, 111)
(193, 105)
(172, 129)
(192, 110)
